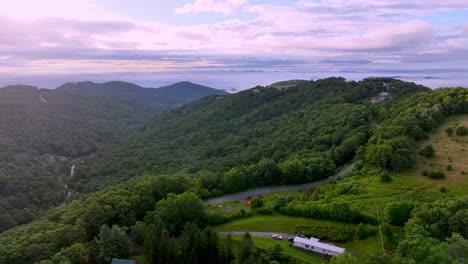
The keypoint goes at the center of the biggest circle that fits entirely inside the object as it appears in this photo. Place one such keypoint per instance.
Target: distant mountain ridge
(46, 131)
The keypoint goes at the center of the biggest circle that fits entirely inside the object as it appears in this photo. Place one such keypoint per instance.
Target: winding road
(273, 189)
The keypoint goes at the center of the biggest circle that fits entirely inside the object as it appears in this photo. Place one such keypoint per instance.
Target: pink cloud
(464, 28)
(225, 7)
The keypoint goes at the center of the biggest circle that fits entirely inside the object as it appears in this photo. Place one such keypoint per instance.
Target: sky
(232, 44)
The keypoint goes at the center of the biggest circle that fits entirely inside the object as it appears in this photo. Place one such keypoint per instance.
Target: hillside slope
(46, 132)
(75, 226)
(319, 123)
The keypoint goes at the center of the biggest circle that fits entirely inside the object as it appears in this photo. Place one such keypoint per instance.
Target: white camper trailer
(313, 244)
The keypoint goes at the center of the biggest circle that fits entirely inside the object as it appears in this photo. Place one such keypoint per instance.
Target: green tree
(275, 252)
(228, 251)
(152, 244)
(458, 223)
(345, 258)
(175, 211)
(399, 213)
(246, 249)
(75, 254)
(111, 243)
(426, 250)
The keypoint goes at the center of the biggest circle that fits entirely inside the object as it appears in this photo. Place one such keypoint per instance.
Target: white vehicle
(276, 236)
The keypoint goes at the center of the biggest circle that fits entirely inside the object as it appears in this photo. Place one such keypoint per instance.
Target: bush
(428, 151)
(399, 213)
(442, 189)
(449, 167)
(436, 175)
(461, 131)
(385, 176)
(425, 173)
(329, 233)
(449, 131)
(256, 202)
(263, 211)
(363, 231)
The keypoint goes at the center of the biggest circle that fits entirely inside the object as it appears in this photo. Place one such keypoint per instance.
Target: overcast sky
(153, 42)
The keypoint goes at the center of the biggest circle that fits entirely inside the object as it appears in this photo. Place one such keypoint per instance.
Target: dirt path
(273, 189)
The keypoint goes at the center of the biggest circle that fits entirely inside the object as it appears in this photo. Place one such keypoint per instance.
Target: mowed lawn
(274, 223)
(301, 255)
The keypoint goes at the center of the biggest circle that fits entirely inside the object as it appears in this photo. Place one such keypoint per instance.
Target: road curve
(280, 188)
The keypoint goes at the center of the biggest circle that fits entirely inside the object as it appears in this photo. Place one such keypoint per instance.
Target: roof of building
(122, 261)
(315, 243)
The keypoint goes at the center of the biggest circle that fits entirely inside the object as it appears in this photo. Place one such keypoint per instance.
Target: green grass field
(274, 223)
(410, 185)
(301, 255)
(286, 224)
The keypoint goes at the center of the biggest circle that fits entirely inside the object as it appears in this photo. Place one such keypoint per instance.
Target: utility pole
(380, 229)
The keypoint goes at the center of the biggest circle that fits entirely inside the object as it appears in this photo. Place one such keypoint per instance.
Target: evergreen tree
(111, 243)
(153, 242)
(228, 254)
(189, 244)
(246, 249)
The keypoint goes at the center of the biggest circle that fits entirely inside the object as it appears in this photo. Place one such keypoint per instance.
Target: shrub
(263, 211)
(449, 167)
(442, 189)
(399, 213)
(329, 233)
(256, 203)
(425, 173)
(461, 131)
(385, 176)
(363, 231)
(462, 172)
(436, 175)
(428, 151)
(449, 131)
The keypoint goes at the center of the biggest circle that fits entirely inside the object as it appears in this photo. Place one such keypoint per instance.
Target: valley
(47, 134)
(290, 148)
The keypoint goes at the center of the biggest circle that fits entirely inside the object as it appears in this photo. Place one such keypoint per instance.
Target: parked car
(276, 236)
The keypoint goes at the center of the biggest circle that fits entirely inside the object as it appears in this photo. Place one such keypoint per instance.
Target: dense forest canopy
(317, 124)
(263, 136)
(45, 132)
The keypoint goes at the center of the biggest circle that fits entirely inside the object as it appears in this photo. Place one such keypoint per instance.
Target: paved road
(273, 189)
(255, 234)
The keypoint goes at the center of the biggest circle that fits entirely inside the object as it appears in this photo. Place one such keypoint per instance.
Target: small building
(380, 97)
(122, 261)
(313, 244)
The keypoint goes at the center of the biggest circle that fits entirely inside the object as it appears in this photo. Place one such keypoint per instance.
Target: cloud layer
(86, 37)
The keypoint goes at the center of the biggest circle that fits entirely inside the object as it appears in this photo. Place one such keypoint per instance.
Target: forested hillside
(46, 132)
(273, 136)
(262, 136)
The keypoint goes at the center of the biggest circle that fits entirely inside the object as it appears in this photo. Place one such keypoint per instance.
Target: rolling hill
(46, 132)
(320, 123)
(269, 136)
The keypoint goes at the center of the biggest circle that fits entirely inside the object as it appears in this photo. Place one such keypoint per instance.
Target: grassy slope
(301, 255)
(454, 148)
(286, 224)
(406, 186)
(274, 223)
(410, 185)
